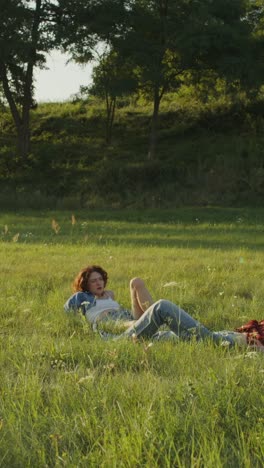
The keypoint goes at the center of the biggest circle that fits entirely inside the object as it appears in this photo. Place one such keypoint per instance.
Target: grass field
(67, 398)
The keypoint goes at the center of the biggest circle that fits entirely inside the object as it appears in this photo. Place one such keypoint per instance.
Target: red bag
(254, 331)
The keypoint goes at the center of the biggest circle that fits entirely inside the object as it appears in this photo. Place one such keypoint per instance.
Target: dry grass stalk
(16, 237)
(55, 226)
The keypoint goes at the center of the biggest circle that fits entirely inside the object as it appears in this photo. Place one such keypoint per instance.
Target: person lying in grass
(146, 316)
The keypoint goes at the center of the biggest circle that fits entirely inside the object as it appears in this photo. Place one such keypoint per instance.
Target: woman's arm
(79, 300)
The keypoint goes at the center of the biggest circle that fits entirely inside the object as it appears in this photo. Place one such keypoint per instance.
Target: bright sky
(60, 80)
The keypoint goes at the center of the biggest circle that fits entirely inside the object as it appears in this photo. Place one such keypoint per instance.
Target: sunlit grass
(70, 399)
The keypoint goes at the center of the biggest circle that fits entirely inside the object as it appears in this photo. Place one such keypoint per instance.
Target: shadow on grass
(202, 228)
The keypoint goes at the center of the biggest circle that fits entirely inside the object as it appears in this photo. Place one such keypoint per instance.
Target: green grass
(67, 398)
(208, 153)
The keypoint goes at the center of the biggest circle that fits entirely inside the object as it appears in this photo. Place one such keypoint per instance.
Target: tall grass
(70, 399)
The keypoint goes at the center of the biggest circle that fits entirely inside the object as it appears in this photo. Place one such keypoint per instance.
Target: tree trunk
(24, 132)
(23, 141)
(21, 118)
(110, 107)
(20, 128)
(153, 138)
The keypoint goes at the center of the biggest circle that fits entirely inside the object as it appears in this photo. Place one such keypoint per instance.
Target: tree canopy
(153, 43)
(26, 34)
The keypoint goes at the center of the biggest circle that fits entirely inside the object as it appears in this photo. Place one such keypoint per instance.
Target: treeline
(142, 50)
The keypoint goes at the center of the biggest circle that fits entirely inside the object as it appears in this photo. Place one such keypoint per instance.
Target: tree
(112, 78)
(140, 32)
(219, 37)
(26, 33)
(253, 79)
(166, 38)
(155, 28)
(161, 40)
(85, 31)
(227, 43)
(84, 24)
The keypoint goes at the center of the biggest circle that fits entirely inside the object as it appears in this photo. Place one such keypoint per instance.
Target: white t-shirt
(101, 305)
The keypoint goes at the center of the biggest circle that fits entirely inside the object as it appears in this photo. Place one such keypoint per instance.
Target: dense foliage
(170, 79)
(26, 33)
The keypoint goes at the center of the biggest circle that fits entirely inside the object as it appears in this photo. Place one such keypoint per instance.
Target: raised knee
(137, 283)
(163, 303)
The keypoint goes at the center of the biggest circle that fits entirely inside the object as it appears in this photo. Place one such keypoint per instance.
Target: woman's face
(96, 284)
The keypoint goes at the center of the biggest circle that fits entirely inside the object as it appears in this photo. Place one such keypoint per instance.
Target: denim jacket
(80, 300)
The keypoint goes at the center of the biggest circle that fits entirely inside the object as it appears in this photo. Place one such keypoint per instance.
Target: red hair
(254, 331)
(80, 283)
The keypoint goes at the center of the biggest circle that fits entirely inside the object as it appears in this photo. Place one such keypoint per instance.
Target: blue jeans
(179, 322)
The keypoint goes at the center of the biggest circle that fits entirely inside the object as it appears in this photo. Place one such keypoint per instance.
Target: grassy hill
(208, 153)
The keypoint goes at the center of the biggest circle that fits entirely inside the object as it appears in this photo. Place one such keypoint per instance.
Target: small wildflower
(110, 367)
(148, 346)
(251, 354)
(58, 364)
(134, 338)
(85, 379)
(113, 354)
(225, 343)
(55, 436)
